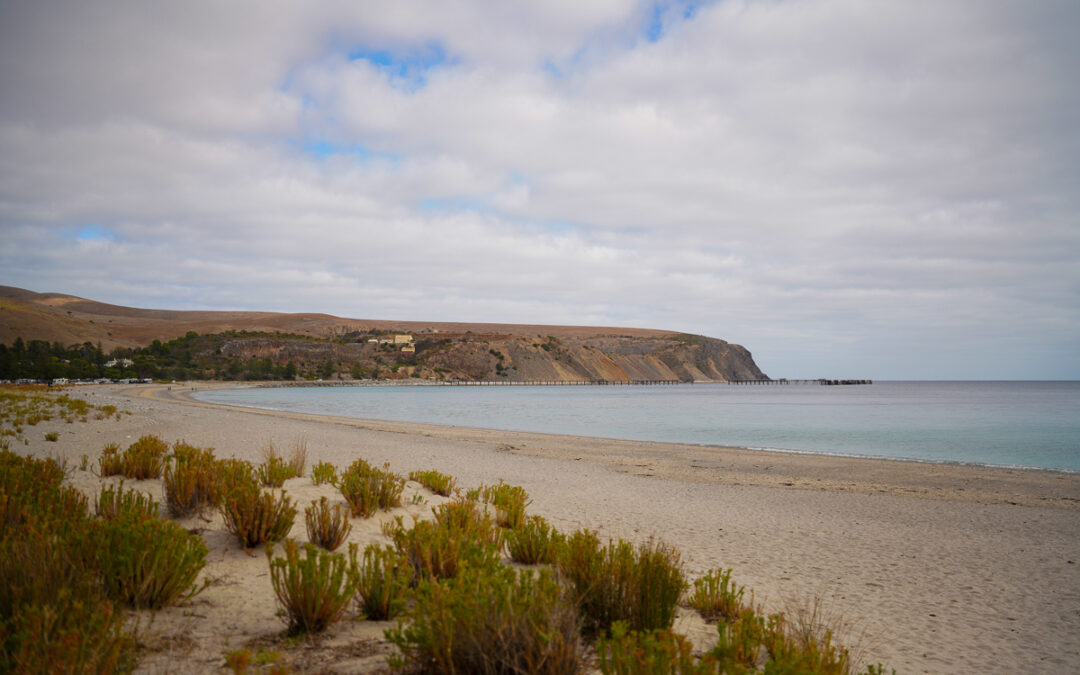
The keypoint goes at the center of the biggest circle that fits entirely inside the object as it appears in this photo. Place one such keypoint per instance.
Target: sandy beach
(934, 568)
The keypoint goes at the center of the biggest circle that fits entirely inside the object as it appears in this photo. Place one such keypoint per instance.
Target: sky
(884, 189)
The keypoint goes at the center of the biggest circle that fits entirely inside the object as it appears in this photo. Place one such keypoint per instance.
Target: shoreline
(763, 467)
(935, 568)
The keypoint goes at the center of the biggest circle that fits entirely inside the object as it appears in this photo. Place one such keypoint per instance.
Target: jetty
(821, 381)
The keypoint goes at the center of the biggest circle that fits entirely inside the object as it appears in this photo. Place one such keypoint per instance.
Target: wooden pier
(821, 381)
(552, 383)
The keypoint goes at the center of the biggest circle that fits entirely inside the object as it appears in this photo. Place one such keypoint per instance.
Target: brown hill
(464, 350)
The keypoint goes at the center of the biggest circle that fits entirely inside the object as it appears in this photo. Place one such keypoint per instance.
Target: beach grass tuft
(535, 542)
(461, 535)
(617, 582)
(113, 501)
(658, 652)
(255, 516)
(327, 527)
(716, 596)
(383, 579)
(490, 620)
(439, 483)
(509, 501)
(314, 589)
(324, 473)
(192, 480)
(147, 562)
(368, 489)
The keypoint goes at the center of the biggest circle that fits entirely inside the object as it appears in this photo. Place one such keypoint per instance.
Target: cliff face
(328, 346)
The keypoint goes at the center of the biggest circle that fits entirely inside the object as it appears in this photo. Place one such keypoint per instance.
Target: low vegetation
(257, 516)
(439, 483)
(383, 581)
(617, 582)
(70, 572)
(368, 489)
(314, 589)
(491, 619)
(327, 526)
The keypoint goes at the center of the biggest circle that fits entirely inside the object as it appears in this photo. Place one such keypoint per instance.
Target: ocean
(1007, 424)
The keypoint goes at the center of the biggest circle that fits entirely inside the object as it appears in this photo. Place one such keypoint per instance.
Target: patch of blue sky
(663, 14)
(405, 69)
(323, 149)
(87, 233)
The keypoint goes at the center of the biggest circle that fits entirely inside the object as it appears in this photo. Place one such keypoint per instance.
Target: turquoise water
(1016, 424)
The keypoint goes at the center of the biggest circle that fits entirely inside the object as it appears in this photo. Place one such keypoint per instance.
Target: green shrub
(255, 516)
(54, 616)
(314, 589)
(617, 583)
(368, 489)
(327, 527)
(192, 480)
(439, 483)
(382, 582)
(324, 472)
(113, 501)
(649, 653)
(460, 535)
(110, 462)
(490, 620)
(148, 562)
(533, 543)
(274, 470)
(716, 596)
(509, 501)
(297, 459)
(52, 436)
(739, 642)
(234, 473)
(803, 648)
(145, 458)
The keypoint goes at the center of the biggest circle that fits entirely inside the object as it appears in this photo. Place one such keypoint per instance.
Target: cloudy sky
(849, 188)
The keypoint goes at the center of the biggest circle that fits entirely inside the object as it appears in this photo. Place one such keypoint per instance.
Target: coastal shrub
(804, 641)
(113, 501)
(145, 458)
(660, 652)
(383, 579)
(490, 620)
(739, 642)
(716, 596)
(535, 542)
(324, 472)
(618, 583)
(234, 473)
(148, 562)
(314, 589)
(368, 489)
(54, 616)
(52, 436)
(255, 516)
(509, 502)
(439, 483)
(327, 527)
(297, 459)
(461, 535)
(191, 480)
(275, 469)
(110, 463)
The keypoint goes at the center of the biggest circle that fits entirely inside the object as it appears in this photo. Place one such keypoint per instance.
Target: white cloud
(846, 188)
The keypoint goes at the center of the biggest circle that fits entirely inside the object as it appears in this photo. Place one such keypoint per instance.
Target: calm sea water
(1016, 424)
